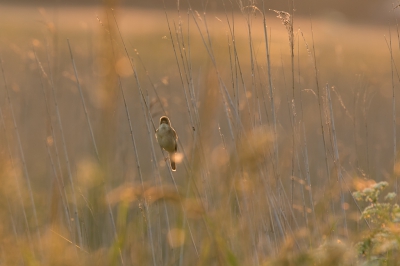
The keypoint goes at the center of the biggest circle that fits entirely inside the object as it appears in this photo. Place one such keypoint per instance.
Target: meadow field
(287, 126)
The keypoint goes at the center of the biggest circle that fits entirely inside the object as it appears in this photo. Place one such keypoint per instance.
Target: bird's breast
(166, 138)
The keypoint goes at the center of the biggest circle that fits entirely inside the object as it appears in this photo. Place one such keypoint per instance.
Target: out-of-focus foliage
(380, 242)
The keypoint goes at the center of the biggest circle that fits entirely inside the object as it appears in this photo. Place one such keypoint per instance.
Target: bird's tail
(172, 159)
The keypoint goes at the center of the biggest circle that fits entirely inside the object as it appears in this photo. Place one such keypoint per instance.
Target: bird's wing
(156, 133)
(176, 138)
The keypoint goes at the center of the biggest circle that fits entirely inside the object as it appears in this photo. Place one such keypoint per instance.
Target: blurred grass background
(233, 200)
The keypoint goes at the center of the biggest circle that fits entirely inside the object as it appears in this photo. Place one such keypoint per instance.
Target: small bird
(167, 138)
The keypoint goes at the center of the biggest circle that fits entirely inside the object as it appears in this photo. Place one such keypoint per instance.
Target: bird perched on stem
(167, 138)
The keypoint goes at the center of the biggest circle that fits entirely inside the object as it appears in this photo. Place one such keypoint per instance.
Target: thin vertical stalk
(94, 143)
(57, 179)
(83, 100)
(320, 111)
(271, 91)
(393, 114)
(62, 192)
(305, 148)
(76, 214)
(28, 231)
(336, 159)
(28, 181)
(14, 232)
(146, 207)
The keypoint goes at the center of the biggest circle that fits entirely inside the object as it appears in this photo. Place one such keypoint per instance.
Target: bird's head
(164, 120)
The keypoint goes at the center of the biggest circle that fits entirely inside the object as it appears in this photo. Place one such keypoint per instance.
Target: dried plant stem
(83, 100)
(320, 114)
(53, 135)
(178, 65)
(308, 177)
(337, 160)
(271, 91)
(187, 69)
(28, 231)
(305, 147)
(14, 229)
(146, 206)
(75, 210)
(61, 191)
(28, 181)
(248, 18)
(94, 143)
(393, 113)
(365, 110)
